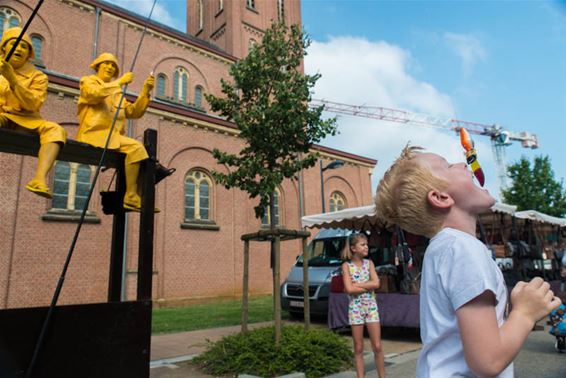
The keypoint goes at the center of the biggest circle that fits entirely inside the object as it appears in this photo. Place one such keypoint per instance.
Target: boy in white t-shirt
(463, 294)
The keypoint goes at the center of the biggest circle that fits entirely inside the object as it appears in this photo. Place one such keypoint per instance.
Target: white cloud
(361, 72)
(468, 48)
(143, 7)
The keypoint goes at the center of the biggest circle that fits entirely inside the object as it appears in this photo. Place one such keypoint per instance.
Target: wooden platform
(22, 143)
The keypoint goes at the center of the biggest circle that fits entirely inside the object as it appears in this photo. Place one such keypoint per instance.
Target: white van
(324, 260)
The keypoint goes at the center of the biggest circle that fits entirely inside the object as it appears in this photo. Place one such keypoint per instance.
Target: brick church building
(197, 248)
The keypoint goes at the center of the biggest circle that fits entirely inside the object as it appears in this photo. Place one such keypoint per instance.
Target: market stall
(506, 231)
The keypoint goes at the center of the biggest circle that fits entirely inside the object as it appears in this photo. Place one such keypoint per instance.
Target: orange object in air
(471, 155)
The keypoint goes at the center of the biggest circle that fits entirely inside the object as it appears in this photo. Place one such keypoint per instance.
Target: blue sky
(483, 61)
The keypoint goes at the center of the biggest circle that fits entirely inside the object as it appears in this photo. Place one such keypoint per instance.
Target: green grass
(211, 315)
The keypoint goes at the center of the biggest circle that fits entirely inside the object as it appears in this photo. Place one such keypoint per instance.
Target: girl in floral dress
(360, 281)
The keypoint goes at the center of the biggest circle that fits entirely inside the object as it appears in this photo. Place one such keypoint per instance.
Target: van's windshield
(324, 252)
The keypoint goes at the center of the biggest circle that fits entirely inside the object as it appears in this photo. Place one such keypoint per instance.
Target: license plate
(296, 304)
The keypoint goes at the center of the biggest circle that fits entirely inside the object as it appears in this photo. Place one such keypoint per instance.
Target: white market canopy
(364, 217)
(500, 207)
(540, 217)
(356, 218)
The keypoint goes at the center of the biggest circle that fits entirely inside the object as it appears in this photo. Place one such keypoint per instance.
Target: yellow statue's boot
(132, 199)
(45, 158)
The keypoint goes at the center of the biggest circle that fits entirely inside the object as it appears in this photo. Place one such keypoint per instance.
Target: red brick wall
(188, 263)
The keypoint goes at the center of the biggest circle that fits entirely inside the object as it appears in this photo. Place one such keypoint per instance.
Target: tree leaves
(535, 188)
(268, 100)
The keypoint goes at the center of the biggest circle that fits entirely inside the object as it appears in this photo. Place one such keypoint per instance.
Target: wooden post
(145, 256)
(117, 251)
(245, 286)
(306, 294)
(277, 292)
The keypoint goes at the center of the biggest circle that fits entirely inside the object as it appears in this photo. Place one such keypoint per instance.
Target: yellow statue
(23, 90)
(98, 101)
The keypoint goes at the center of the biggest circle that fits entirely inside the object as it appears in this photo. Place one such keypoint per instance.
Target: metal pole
(322, 186)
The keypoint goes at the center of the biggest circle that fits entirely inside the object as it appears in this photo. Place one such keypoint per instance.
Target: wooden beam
(24, 143)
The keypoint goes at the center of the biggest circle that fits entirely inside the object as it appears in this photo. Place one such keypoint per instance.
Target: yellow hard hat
(13, 33)
(106, 57)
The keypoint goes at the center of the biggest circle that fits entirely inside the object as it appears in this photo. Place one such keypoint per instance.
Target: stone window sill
(199, 225)
(251, 9)
(73, 216)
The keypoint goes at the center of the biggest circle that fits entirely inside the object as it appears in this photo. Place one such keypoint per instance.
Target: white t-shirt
(457, 267)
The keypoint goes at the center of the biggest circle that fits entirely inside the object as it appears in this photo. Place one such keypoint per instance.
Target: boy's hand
(534, 300)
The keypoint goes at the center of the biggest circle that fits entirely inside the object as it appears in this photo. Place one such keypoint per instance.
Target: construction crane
(500, 138)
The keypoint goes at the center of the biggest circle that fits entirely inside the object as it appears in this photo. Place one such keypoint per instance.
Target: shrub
(316, 353)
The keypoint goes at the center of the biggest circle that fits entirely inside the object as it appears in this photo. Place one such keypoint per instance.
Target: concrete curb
(171, 361)
(369, 364)
(292, 375)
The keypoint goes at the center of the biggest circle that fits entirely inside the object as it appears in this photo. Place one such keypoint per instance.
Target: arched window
(281, 10)
(8, 19)
(266, 219)
(62, 174)
(161, 80)
(180, 80)
(198, 187)
(200, 15)
(198, 96)
(337, 202)
(37, 43)
(70, 185)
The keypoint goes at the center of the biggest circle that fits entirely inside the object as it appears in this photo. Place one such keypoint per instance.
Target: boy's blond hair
(401, 196)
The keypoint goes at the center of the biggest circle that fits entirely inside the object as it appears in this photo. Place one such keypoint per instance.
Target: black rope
(59, 287)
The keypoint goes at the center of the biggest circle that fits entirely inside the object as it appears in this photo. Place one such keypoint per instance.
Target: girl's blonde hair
(402, 195)
(353, 239)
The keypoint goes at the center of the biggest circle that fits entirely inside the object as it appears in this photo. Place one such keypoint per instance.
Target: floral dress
(363, 307)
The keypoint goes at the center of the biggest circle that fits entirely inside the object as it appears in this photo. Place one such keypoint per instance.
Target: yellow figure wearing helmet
(98, 102)
(23, 90)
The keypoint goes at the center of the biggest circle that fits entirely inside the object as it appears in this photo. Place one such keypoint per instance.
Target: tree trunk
(306, 294)
(275, 247)
(245, 287)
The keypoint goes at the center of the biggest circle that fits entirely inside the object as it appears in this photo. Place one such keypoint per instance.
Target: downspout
(123, 295)
(96, 33)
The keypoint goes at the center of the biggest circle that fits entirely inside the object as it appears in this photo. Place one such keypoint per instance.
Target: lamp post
(332, 165)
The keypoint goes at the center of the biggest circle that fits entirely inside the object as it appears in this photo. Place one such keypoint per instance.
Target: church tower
(235, 25)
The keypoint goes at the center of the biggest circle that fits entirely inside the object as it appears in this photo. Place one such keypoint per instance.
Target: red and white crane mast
(500, 138)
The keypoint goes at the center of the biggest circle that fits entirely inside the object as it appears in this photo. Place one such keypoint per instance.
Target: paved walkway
(190, 343)
(167, 351)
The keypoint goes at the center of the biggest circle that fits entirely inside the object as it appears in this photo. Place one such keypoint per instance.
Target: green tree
(535, 188)
(269, 102)
(268, 99)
